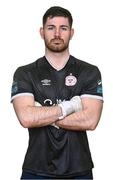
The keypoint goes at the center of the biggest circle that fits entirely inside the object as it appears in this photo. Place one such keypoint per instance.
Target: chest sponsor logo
(46, 82)
(70, 80)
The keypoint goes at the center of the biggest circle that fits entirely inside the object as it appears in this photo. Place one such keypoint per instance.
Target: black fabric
(86, 175)
(57, 152)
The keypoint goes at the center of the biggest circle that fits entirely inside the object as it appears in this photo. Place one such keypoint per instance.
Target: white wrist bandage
(71, 106)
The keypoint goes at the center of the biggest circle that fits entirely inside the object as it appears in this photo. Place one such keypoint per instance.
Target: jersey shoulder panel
(86, 68)
(83, 64)
(22, 79)
(90, 79)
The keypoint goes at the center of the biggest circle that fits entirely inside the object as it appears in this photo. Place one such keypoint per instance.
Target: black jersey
(51, 151)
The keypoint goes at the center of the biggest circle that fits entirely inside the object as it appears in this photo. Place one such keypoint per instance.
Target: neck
(57, 60)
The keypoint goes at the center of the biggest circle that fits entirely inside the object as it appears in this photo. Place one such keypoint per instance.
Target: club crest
(70, 80)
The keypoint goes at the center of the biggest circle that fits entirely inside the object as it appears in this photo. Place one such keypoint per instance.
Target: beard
(56, 45)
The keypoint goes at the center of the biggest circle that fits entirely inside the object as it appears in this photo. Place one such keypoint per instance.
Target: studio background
(20, 44)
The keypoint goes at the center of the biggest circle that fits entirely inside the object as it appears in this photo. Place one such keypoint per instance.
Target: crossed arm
(30, 115)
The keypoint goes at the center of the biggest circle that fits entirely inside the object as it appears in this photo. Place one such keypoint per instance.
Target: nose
(57, 32)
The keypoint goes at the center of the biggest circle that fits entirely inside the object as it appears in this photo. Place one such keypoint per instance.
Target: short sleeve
(93, 84)
(21, 84)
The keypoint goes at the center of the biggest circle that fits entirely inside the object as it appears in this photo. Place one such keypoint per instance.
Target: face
(56, 34)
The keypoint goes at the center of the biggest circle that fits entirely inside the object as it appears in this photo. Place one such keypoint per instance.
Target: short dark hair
(56, 11)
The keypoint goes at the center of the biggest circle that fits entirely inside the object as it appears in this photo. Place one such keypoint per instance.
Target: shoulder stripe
(92, 96)
(21, 94)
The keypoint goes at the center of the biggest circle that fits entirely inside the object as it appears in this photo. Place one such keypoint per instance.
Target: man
(58, 98)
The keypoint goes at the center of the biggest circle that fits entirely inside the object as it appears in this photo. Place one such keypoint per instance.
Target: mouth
(57, 41)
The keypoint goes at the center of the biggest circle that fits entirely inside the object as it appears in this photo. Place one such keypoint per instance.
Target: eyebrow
(64, 26)
(52, 25)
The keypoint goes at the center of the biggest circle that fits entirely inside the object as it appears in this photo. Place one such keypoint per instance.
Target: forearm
(80, 121)
(86, 119)
(33, 116)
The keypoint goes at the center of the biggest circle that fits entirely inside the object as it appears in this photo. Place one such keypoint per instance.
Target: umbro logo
(46, 82)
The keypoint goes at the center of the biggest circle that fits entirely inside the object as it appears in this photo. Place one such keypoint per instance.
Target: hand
(71, 106)
(77, 103)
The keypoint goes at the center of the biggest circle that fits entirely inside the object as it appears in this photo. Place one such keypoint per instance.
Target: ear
(42, 32)
(72, 33)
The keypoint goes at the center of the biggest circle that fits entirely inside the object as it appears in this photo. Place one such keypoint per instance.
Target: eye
(50, 27)
(64, 28)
